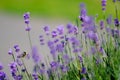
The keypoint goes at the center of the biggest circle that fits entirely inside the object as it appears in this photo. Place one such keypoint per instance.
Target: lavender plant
(83, 51)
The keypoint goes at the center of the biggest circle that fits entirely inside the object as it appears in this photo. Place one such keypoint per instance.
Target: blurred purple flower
(46, 29)
(59, 48)
(114, 1)
(102, 25)
(10, 52)
(26, 17)
(60, 29)
(103, 3)
(109, 20)
(83, 71)
(80, 59)
(54, 34)
(35, 54)
(2, 75)
(93, 36)
(64, 68)
(54, 65)
(35, 76)
(75, 41)
(1, 66)
(17, 48)
(28, 28)
(83, 11)
(116, 22)
(66, 58)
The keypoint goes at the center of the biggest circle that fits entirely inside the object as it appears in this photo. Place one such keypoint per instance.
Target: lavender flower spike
(104, 3)
(26, 17)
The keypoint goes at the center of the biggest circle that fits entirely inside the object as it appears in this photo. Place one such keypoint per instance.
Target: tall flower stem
(29, 37)
(29, 77)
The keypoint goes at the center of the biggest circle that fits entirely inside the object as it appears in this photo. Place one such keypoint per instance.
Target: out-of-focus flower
(116, 22)
(64, 68)
(10, 52)
(54, 65)
(28, 28)
(35, 76)
(83, 71)
(54, 34)
(83, 11)
(1, 66)
(103, 3)
(59, 48)
(93, 36)
(26, 17)
(2, 75)
(17, 48)
(102, 25)
(109, 20)
(35, 54)
(47, 30)
(60, 29)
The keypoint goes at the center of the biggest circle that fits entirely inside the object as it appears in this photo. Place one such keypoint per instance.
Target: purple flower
(19, 77)
(75, 41)
(93, 50)
(75, 28)
(59, 48)
(26, 17)
(66, 58)
(10, 52)
(35, 76)
(1, 66)
(28, 28)
(64, 68)
(83, 70)
(54, 65)
(102, 25)
(35, 54)
(80, 59)
(114, 1)
(116, 22)
(69, 26)
(103, 3)
(83, 11)
(17, 48)
(50, 44)
(54, 34)
(2, 75)
(60, 29)
(109, 20)
(13, 65)
(56, 40)
(46, 29)
(93, 36)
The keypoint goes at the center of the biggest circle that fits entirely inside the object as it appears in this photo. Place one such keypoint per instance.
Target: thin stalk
(29, 77)
(29, 37)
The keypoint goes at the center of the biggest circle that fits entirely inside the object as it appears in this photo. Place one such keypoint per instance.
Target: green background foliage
(56, 8)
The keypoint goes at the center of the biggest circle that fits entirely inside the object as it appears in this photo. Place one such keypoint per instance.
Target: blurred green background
(66, 9)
